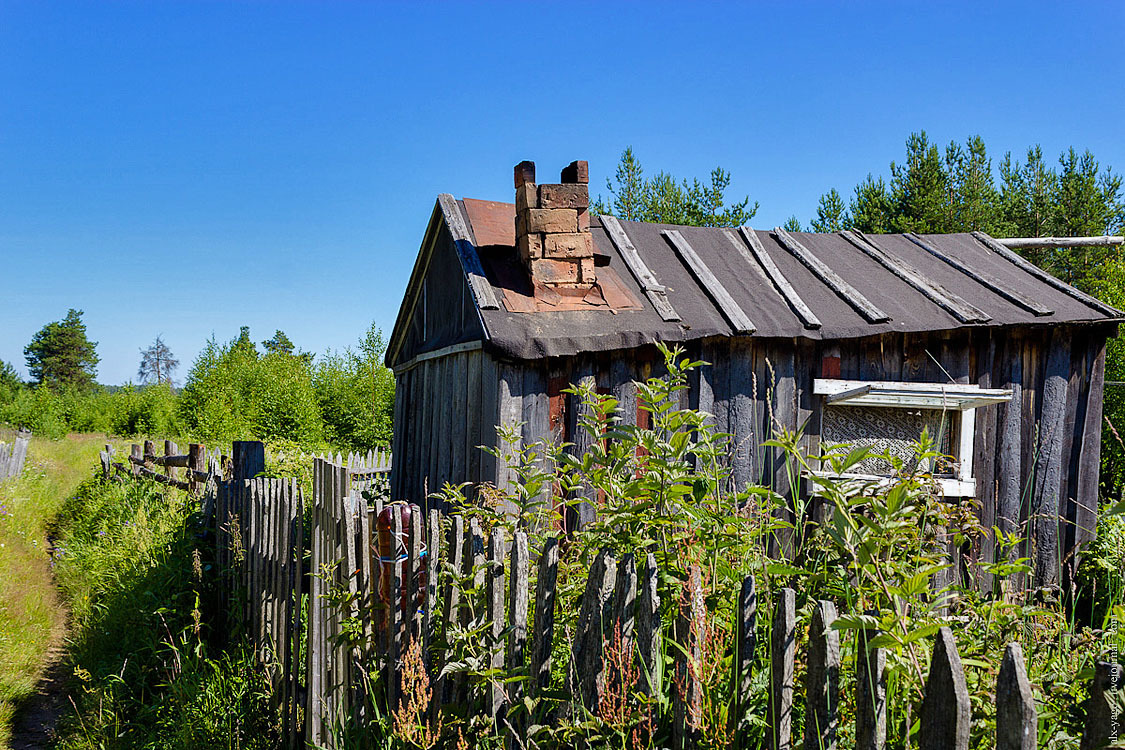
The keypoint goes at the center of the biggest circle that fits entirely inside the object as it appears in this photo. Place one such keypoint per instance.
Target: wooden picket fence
(13, 455)
(366, 569)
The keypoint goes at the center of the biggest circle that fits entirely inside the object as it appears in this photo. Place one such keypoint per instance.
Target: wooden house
(859, 338)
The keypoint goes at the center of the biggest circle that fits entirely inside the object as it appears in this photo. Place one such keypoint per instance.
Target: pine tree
(61, 355)
(973, 196)
(279, 344)
(831, 213)
(871, 206)
(663, 199)
(920, 189)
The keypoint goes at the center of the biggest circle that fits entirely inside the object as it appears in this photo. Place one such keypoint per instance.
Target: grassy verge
(32, 618)
(149, 670)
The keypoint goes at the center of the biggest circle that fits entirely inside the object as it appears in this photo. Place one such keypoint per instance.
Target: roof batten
(843, 289)
(1043, 276)
(773, 273)
(467, 252)
(652, 288)
(738, 319)
(931, 290)
(988, 282)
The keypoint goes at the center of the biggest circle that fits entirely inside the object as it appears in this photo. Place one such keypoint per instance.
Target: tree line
(232, 391)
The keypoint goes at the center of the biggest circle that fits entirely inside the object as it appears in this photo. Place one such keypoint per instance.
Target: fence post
(648, 628)
(539, 671)
(822, 681)
(517, 615)
(1017, 721)
(783, 649)
(944, 716)
(170, 449)
(107, 462)
(455, 551)
(150, 455)
(687, 696)
(494, 609)
(745, 644)
(249, 459)
(135, 459)
(871, 692)
(197, 457)
(1102, 723)
(586, 667)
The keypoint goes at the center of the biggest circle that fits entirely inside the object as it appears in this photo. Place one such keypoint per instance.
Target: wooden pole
(1029, 242)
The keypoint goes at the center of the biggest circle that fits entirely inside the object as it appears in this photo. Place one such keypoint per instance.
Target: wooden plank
(413, 625)
(434, 560)
(822, 681)
(1049, 463)
(455, 552)
(581, 442)
(482, 290)
(445, 351)
(983, 278)
(947, 300)
(539, 670)
(1103, 724)
(871, 692)
(648, 628)
(945, 713)
(718, 293)
(517, 625)
(494, 613)
(687, 698)
(745, 647)
(489, 468)
(831, 279)
(783, 650)
(1045, 277)
(595, 614)
(758, 254)
(656, 292)
(1016, 717)
(625, 601)
(458, 375)
(477, 430)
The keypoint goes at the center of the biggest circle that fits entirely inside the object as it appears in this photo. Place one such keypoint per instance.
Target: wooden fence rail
(371, 597)
(13, 455)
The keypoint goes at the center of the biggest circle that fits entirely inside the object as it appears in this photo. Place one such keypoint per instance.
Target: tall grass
(148, 669)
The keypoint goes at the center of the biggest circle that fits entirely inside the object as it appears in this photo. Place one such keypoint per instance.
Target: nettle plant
(879, 550)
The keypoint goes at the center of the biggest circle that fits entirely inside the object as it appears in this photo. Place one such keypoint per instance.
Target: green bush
(355, 392)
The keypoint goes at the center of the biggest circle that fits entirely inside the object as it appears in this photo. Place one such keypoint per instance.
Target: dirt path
(36, 723)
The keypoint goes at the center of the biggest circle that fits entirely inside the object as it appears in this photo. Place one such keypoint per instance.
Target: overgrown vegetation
(878, 553)
(149, 670)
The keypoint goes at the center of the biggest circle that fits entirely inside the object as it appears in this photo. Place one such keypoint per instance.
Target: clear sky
(186, 168)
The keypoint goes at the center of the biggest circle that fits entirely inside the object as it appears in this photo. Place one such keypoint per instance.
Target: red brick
(584, 220)
(551, 220)
(572, 245)
(564, 196)
(530, 246)
(576, 171)
(550, 271)
(587, 272)
(524, 172)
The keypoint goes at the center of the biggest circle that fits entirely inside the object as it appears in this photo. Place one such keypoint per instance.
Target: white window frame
(962, 398)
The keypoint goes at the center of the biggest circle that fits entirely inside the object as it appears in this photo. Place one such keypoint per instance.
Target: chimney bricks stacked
(553, 227)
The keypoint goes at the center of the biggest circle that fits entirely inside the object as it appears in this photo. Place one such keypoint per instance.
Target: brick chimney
(553, 227)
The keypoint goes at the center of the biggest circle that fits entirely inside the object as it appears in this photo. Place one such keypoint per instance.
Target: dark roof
(927, 293)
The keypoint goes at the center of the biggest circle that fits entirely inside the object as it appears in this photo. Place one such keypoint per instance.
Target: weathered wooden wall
(1036, 458)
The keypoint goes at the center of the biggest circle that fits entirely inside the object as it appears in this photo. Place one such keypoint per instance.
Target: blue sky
(184, 169)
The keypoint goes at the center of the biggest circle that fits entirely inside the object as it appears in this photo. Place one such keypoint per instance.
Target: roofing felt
(910, 301)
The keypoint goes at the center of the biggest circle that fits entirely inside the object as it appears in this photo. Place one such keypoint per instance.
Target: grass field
(32, 618)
